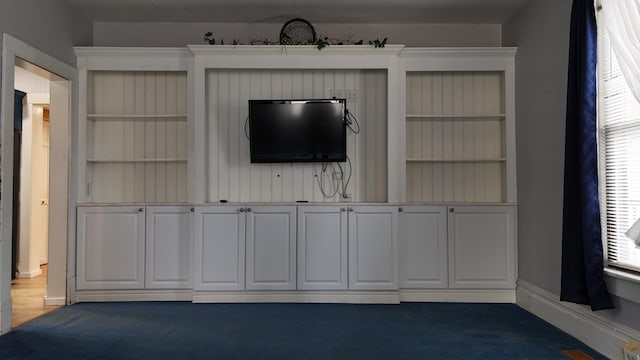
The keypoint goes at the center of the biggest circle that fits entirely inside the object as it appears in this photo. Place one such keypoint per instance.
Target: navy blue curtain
(582, 256)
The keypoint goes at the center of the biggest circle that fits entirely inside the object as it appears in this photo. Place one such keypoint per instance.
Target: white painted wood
(460, 136)
(326, 296)
(423, 247)
(232, 177)
(456, 140)
(219, 247)
(168, 247)
(133, 295)
(459, 295)
(322, 248)
(271, 248)
(373, 247)
(14, 50)
(482, 247)
(599, 332)
(110, 247)
(133, 125)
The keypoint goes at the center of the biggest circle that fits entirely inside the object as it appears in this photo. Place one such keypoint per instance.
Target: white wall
(181, 34)
(540, 30)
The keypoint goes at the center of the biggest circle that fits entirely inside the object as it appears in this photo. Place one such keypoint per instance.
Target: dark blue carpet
(162, 330)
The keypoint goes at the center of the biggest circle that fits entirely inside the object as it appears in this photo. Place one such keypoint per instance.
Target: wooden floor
(27, 297)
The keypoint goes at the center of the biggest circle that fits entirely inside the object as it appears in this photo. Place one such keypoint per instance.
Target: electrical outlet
(352, 96)
(630, 355)
(336, 93)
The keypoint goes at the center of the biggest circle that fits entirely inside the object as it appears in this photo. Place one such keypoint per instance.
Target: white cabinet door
(110, 247)
(423, 247)
(322, 248)
(482, 251)
(168, 250)
(271, 248)
(373, 243)
(219, 247)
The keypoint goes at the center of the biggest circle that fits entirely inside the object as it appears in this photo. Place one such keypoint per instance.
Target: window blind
(619, 158)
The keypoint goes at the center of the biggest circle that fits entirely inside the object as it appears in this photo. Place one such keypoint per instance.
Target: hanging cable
(246, 133)
(352, 122)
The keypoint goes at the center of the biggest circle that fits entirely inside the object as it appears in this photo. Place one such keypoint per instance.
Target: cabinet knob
(140, 209)
(451, 210)
(400, 209)
(192, 209)
(350, 209)
(343, 209)
(248, 209)
(241, 209)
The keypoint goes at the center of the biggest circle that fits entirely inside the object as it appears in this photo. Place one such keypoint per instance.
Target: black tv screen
(297, 130)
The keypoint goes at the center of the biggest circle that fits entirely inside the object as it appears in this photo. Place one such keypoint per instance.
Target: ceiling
(318, 11)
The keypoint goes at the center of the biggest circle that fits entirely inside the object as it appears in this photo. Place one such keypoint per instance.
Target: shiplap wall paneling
(137, 137)
(231, 175)
(455, 137)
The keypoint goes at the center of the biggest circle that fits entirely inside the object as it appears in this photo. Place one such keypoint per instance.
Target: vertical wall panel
(455, 137)
(136, 137)
(232, 177)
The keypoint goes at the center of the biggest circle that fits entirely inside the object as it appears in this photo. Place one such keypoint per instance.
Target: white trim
(29, 274)
(38, 98)
(133, 295)
(351, 297)
(604, 335)
(12, 48)
(54, 301)
(623, 284)
(452, 295)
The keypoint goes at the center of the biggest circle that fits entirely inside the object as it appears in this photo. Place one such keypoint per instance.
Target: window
(619, 158)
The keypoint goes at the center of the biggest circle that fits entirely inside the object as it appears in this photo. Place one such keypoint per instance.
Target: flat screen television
(297, 130)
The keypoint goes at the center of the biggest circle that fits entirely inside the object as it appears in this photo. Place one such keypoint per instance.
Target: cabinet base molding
(134, 295)
(604, 335)
(351, 297)
(458, 295)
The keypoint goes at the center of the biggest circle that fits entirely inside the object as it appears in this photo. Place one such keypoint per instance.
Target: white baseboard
(51, 301)
(352, 297)
(605, 336)
(458, 295)
(133, 295)
(29, 274)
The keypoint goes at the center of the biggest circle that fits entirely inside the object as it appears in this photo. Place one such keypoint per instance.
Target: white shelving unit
(133, 129)
(460, 126)
(433, 212)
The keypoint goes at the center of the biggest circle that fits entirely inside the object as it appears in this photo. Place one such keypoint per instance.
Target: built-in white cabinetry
(322, 247)
(373, 247)
(133, 128)
(460, 125)
(482, 252)
(112, 242)
(110, 245)
(219, 241)
(168, 247)
(457, 247)
(432, 174)
(240, 247)
(271, 248)
(423, 247)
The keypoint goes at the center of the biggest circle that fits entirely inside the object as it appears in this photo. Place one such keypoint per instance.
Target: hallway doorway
(55, 203)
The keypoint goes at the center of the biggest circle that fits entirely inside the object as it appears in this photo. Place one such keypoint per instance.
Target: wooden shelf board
(134, 160)
(414, 160)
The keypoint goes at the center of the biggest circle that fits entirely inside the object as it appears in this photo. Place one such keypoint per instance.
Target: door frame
(13, 49)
